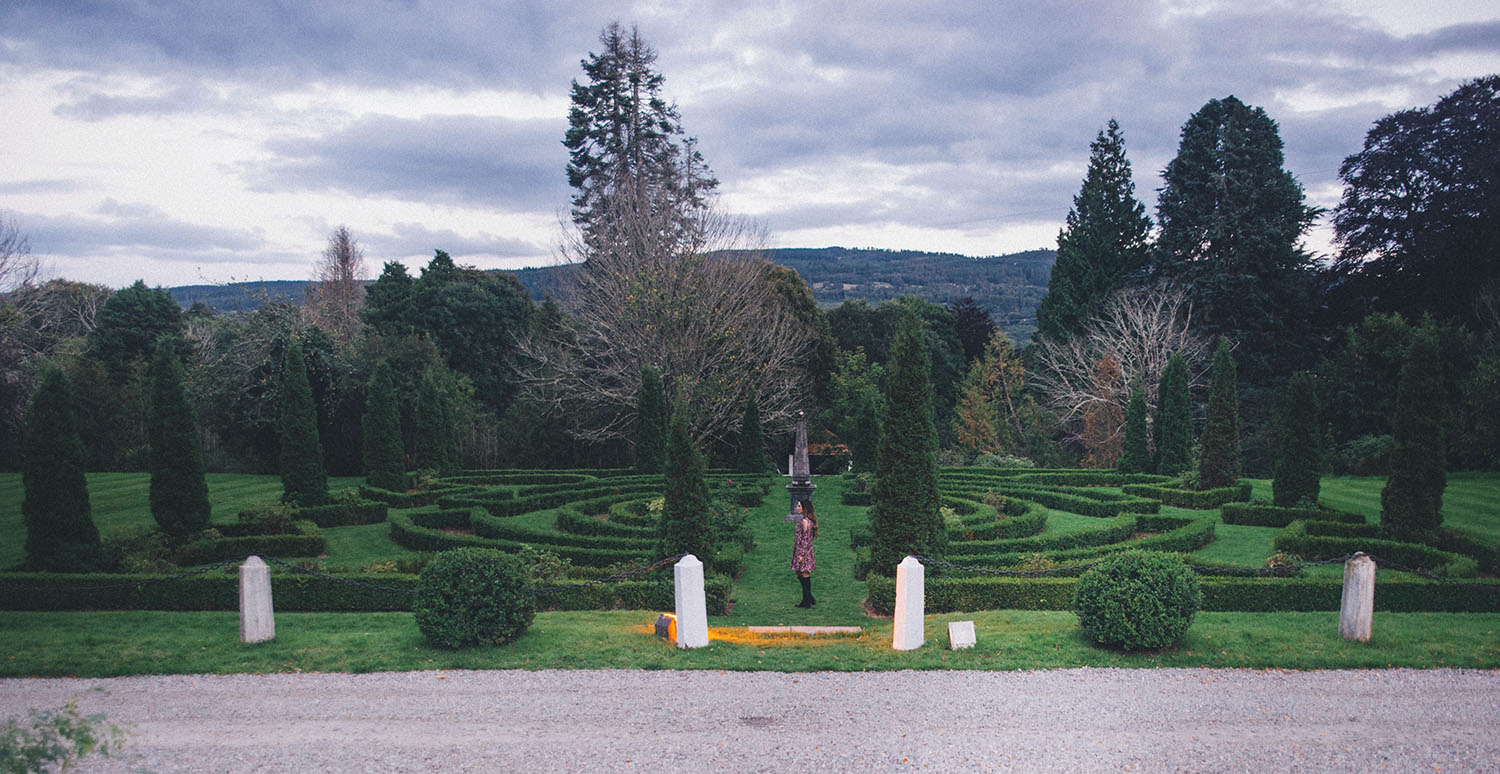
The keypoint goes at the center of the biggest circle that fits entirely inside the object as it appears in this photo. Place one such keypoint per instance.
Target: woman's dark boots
(807, 597)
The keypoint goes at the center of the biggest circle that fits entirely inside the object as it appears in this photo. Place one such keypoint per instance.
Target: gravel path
(1066, 720)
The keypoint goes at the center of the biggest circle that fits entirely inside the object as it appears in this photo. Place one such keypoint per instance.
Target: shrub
(472, 596)
(304, 481)
(1299, 457)
(1367, 455)
(1137, 601)
(1002, 461)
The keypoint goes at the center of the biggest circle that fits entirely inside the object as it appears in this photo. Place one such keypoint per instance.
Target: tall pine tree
(304, 480)
(1299, 440)
(650, 423)
(905, 517)
(752, 456)
(1231, 222)
(685, 527)
(1219, 461)
(384, 453)
(60, 531)
(434, 444)
(1135, 453)
(1411, 502)
(1173, 428)
(1103, 244)
(179, 491)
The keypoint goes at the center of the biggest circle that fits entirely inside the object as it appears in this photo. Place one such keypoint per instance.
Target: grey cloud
(39, 186)
(87, 103)
(138, 228)
(416, 239)
(470, 160)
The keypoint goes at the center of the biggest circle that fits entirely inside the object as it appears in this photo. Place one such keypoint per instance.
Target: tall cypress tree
(60, 531)
(752, 454)
(179, 491)
(1299, 441)
(1103, 243)
(650, 423)
(1135, 456)
(1412, 500)
(384, 454)
(1174, 419)
(1219, 460)
(685, 525)
(304, 480)
(905, 517)
(434, 446)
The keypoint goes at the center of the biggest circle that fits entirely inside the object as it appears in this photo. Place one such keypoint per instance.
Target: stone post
(1357, 612)
(692, 607)
(257, 620)
(802, 486)
(910, 604)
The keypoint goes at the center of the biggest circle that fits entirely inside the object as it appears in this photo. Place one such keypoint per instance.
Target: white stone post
(257, 620)
(910, 605)
(1357, 612)
(692, 607)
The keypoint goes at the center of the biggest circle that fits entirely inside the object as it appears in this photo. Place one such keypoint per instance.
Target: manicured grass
(132, 643)
(355, 547)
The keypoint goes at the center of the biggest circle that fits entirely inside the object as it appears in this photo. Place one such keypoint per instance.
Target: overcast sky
(187, 142)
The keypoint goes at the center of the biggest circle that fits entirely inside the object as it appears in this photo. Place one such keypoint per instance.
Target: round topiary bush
(1137, 600)
(473, 596)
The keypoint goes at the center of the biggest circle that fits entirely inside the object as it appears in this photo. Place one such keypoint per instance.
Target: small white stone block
(257, 619)
(960, 635)
(692, 606)
(1357, 610)
(907, 634)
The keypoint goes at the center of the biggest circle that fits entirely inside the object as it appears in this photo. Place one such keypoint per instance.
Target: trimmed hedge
(634, 513)
(574, 522)
(306, 541)
(1191, 498)
(1324, 540)
(1220, 594)
(344, 514)
(1111, 531)
(1175, 534)
(1262, 515)
(416, 499)
(550, 499)
(407, 530)
(1079, 500)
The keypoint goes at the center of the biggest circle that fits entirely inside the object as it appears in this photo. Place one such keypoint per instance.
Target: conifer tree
(1103, 243)
(1173, 429)
(685, 525)
(1299, 435)
(904, 516)
(434, 446)
(384, 453)
(650, 423)
(1412, 500)
(179, 491)
(752, 456)
(60, 531)
(304, 480)
(1219, 461)
(1135, 455)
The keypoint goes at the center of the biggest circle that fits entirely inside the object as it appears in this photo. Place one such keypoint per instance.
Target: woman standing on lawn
(802, 550)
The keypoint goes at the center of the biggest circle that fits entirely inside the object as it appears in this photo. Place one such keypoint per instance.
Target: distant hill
(1009, 287)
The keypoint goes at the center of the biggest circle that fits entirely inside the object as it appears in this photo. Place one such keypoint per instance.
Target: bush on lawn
(1137, 601)
(473, 596)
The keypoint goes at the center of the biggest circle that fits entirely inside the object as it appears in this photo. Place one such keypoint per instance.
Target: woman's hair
(807, 512)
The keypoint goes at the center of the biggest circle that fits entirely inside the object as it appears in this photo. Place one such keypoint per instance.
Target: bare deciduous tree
(18, 267)
(340, 289)
(1139, 328)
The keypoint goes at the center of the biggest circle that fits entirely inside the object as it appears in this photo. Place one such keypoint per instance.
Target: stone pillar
(257, 620)
(910, 604)
(1357, 612)
(692, 607)
(802, 486)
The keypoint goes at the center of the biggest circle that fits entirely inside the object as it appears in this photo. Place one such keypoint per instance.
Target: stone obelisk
(802, 486)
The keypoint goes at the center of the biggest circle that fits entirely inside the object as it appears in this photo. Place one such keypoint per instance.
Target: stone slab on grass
(804, 630)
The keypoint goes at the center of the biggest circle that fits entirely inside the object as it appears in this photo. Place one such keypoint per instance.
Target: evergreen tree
(1231, 222)
(1219, 461)
(1103, 243)
(1173, 429)
(854, 407)
(1135, 456)
(752, 456)
(1412, 500)
(685, 517)
(304, 481)
(650, 423)
(179, 491)
(905, 517)
(1299, 454)
(384, 456)
(973, 326)
(434, 447)
(60, 531)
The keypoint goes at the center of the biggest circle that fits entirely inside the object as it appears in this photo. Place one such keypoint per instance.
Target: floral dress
(802, 547)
